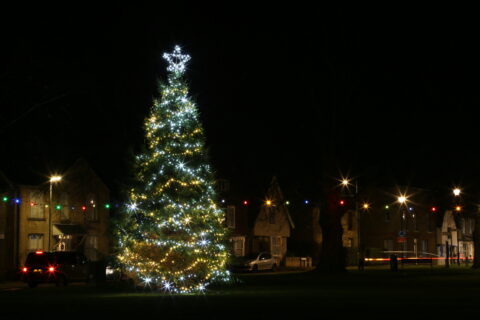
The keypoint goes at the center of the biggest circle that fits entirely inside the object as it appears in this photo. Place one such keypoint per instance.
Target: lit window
(35, 241)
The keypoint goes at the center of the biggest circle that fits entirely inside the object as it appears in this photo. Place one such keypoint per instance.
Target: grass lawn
(375, 293)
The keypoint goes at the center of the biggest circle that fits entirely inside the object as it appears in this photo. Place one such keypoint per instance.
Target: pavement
(12, 285)
(279, 271)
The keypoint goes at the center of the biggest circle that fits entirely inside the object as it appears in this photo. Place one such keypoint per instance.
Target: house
(455, 234)
(257, 223)
(273, 223)
(380, 225)
(406, 229)
(71, 214)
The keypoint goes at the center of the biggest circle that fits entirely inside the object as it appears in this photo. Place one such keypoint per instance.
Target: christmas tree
(172, 235)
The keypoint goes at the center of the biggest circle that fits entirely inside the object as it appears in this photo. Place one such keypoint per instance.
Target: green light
(58, 207)
(5, 199)
(387, 207)
(287, 202)
(107, 206)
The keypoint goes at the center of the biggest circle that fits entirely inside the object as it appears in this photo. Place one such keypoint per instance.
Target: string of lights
(17, 200)
(222, 202)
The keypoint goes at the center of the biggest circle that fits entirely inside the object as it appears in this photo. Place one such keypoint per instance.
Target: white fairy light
(132, 206)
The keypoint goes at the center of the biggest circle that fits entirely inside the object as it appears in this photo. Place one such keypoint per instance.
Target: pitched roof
(275, 192)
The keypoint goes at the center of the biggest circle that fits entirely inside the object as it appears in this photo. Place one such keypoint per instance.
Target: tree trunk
(476, 243)
(332, 254)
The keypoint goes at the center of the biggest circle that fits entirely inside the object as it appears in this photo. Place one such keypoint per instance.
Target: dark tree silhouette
(332, 255)
(476, 243)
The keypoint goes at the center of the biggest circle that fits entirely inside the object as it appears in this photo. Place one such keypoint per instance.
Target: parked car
(113, 269)
(255, 262)
(59, 267)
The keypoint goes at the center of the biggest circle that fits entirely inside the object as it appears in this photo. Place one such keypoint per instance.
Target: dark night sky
(400, 84)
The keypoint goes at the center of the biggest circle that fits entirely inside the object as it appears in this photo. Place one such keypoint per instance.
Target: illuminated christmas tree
(172, 235)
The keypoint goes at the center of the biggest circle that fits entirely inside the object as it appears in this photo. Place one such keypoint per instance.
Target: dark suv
(59, 267)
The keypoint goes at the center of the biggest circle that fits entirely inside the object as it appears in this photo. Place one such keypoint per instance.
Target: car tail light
(38, 252)
(51, 269)
(24, 269)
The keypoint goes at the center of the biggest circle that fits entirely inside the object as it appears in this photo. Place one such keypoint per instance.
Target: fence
(298, 262)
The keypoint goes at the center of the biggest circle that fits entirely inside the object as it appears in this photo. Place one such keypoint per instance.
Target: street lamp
(458, 208)
(345, 182)
(456, 192)
(53, 179)
(402, 199)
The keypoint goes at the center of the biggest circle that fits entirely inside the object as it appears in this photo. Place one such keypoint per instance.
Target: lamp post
(402, 199)
(345, 183)
(53, 179)
(458, 208)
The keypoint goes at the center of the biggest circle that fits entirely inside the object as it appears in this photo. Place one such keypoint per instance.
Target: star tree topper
(176, 60)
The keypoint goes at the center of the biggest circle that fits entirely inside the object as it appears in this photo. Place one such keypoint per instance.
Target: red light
(434, 209)
(24, 269)
(38, 252)
(84, 208)
(342, 202)
(245, 203)
(51, 269)
(32, 204)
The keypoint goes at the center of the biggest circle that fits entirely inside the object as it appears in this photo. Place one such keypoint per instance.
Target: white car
(256, 262)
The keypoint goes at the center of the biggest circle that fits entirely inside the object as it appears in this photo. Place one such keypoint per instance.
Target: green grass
(376, 292)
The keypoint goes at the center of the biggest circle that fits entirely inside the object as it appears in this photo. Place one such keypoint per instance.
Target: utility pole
(359, 244)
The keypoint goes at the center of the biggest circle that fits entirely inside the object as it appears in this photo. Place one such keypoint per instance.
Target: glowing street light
(456, 192)
(402, 199)
(55, 179)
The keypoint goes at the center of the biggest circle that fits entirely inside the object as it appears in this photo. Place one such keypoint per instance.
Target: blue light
(411, 209)
(17, 200)
(306, 201)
